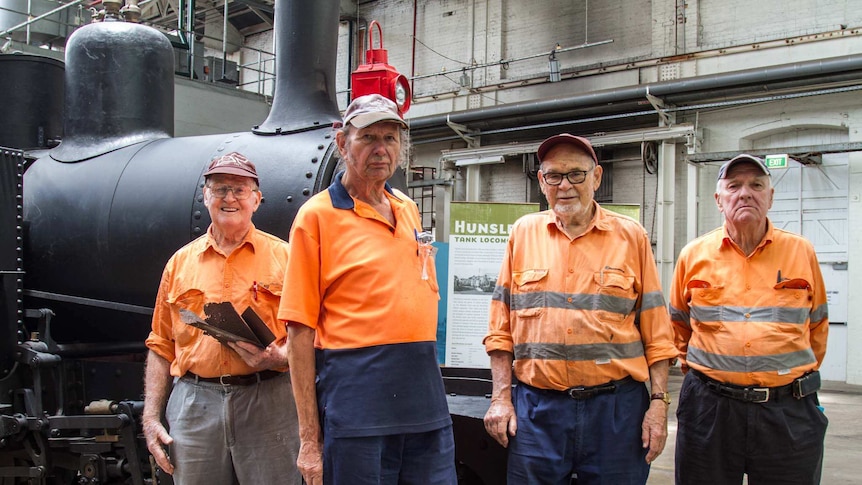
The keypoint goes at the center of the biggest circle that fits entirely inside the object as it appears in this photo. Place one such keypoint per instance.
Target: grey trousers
(227, 435)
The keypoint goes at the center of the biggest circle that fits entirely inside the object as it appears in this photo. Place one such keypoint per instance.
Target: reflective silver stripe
(820, 313)
(501, 294)
(678, 315)
(653, 299)
(756, 363)
(548, 299)
(579, 352)
(746, 314)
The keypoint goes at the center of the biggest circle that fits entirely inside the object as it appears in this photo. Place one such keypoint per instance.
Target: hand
(310, 462)
(654, 429)
(273, 356)
(157, 439)
(500, 421)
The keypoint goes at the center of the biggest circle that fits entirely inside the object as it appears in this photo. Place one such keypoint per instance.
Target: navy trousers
(599, 438)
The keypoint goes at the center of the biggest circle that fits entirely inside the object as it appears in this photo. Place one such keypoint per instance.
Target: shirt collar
(600, 220)
(340, 198)
(210, 240)
(726, 241)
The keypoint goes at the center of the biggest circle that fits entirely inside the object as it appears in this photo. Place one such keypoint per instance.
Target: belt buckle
(764, 390)
(572, 392)
(221, 379)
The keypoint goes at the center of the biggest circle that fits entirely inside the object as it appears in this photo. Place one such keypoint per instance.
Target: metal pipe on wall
(745, 81)
(224, 42)
(28, 22)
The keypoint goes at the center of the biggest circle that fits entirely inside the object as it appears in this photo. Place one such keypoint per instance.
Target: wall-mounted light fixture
(480, 160)
(464, 80)
(554, 65)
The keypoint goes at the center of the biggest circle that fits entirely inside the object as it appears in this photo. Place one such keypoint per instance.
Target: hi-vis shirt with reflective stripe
(579, 312)
(759, 320)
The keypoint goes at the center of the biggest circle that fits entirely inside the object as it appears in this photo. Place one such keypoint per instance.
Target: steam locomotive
(88, 225)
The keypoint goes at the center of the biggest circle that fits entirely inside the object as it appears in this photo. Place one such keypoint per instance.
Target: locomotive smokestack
(306, 35)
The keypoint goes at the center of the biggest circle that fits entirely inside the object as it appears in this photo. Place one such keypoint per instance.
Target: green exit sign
(776, 161)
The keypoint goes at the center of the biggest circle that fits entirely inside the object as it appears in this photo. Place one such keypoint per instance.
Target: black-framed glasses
(574, 177)
(240, 192)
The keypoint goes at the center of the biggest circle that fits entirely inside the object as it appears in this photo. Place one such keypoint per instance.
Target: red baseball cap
(562, 138)
(234, 163)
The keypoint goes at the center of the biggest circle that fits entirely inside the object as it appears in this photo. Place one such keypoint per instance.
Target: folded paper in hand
(225, 325)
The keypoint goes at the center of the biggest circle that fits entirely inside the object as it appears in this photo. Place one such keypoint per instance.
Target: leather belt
(229, 380)
(742, 393)
(579, 393)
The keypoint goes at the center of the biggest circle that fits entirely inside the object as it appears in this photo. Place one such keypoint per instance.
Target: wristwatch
(664, 396)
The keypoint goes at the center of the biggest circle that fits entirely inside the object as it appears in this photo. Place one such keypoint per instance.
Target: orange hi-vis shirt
(760, 320)
(582, 311)
(200, 273)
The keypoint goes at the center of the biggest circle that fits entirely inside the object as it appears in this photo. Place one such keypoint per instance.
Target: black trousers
(719, 439)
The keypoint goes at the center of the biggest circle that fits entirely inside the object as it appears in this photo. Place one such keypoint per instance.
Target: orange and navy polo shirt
(358, 281)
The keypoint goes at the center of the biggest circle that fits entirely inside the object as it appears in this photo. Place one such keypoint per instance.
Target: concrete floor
(842, 464)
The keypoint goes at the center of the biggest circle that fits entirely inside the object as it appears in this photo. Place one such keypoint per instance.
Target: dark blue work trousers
(719, 439)
(599, 438)
(402, 459)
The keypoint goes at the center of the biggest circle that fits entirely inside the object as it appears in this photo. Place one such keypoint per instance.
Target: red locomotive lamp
(377, 76)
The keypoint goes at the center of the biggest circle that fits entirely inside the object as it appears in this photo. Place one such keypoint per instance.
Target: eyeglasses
(241, 192)
(574, 177)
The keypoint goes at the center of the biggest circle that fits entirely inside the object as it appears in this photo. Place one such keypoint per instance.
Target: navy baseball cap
(742, 158)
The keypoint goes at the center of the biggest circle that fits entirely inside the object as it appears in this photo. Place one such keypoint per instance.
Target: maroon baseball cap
(233, 163)
(372, 108)
(562, 138)
(742, 158)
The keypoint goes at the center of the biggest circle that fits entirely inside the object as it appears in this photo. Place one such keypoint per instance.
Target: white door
(812, 200)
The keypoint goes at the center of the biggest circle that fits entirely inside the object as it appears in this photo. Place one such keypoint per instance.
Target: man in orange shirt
(231, 411)
(749, 312)
(578, 308)
(363, 320)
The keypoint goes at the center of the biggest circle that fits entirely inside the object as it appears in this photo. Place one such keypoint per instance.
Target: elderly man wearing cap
(578, 309)
(749, 312)
(362, 320)
(231, 412)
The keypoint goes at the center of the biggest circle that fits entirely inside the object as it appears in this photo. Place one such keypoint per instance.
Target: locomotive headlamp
(376, 76)
(402, 93)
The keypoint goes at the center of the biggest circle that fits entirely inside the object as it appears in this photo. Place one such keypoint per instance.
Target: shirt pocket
(706, 305)
(265, 298)
(616, 294)
(193, 300)
(269, 291)
(529, 292)
(794, 293)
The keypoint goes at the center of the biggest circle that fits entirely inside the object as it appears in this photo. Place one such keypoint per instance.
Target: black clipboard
(224, 324)
(255, 323)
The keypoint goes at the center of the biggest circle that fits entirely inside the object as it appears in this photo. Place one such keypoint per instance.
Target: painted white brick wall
(453, 34)
(743, 22)
(505, 182)
(258, 57)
